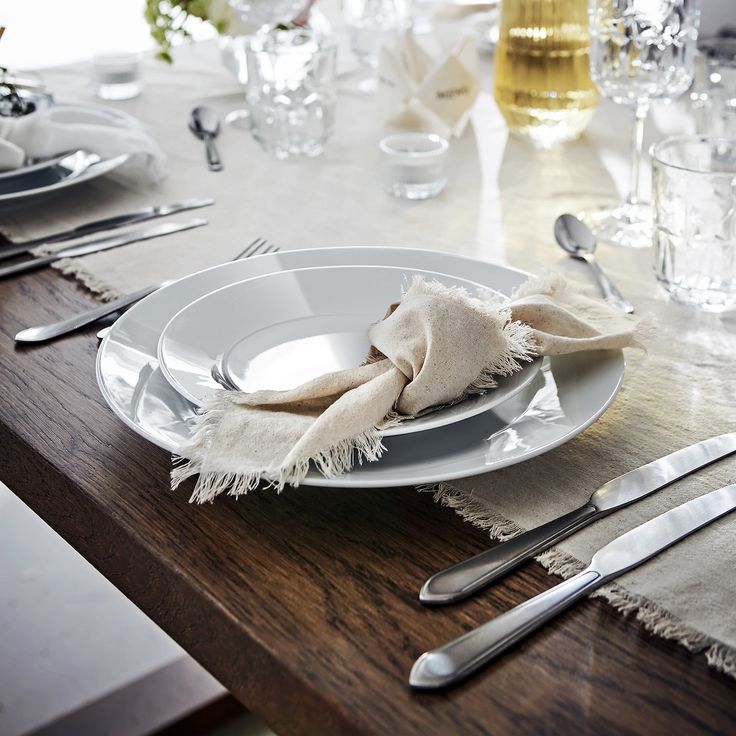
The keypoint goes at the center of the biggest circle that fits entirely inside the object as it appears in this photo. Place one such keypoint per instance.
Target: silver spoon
(204, 123)
(575, 238)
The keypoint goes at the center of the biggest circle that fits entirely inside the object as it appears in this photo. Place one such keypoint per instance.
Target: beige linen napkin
(434, 348)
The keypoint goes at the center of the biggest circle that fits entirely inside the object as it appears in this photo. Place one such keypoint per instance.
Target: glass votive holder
(414, 164)
(117, 75)
(694, 204)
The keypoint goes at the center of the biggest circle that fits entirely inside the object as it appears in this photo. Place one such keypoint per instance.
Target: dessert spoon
(576, 239)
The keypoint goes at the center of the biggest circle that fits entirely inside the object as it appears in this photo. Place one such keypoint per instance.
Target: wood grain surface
(305, 605)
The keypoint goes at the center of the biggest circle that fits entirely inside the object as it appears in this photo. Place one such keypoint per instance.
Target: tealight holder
(414, 164)
(117, 75)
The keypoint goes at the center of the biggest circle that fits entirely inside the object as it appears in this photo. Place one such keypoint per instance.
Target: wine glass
(370, 24)
(640, 50)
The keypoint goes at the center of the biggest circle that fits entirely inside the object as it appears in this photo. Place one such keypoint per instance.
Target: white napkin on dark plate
(102, 130)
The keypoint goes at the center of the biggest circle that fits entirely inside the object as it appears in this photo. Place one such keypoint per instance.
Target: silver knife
(109, 223)
(465, 578)
(62, 327)
(95, 246)
(463, 656)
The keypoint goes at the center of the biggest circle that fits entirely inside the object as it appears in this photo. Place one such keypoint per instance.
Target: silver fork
(258, 247)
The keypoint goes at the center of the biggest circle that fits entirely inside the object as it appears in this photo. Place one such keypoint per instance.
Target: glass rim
(655, 149)
(325, 44)
(442, 145)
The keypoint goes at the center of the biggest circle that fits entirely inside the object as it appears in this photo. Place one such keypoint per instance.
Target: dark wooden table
(305, 605)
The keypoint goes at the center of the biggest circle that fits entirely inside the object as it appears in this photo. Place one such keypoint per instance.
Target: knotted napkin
(60, 128)
(434, 348)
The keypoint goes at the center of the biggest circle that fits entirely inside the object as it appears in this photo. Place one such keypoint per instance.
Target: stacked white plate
(276, 320)
(69, 168)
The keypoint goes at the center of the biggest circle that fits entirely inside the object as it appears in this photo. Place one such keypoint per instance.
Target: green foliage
(167, 18)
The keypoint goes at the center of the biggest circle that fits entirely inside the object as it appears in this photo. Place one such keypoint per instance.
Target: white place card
(410, 80)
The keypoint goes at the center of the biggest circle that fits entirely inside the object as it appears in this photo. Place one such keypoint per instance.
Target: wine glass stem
(637, 139)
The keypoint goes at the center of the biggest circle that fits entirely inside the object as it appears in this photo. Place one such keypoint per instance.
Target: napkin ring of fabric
(435, 347)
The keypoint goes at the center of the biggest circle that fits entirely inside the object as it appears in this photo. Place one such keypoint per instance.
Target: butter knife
(95, 246)
(454, 661)
(64, 326)
(109, 223)
(465, 578)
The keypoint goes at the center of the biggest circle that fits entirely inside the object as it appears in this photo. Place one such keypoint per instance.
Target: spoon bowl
(574, 236)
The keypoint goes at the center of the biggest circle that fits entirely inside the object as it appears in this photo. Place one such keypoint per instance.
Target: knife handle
(30, 265)
(465, 578)
(213, 157)
(458, 659)
(64, 327)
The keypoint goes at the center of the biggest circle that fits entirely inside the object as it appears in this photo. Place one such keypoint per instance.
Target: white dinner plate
(568, 394)
(282, 329)
(38, 178)
(42, 181)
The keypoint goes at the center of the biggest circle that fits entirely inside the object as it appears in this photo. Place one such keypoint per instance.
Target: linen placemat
(500, 205)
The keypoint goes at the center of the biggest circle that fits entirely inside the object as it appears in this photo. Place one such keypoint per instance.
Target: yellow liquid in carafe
(543, 85)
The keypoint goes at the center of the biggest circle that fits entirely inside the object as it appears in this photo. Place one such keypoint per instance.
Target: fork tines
(259, 247)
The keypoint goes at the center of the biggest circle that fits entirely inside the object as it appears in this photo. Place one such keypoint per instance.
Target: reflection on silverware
(453, 662)
(465, 578)
(575, 238)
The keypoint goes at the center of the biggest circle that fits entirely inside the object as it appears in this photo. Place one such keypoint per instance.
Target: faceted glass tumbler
(694, 202)
(291, 91)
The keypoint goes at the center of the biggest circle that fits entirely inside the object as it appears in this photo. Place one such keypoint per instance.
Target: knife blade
(453, 662)
(101, 244)
(465, 578)
(109, 223)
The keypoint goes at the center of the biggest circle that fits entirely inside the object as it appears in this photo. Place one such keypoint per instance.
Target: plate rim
(100, 168)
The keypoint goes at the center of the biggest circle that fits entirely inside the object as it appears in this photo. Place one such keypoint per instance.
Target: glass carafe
(543, 85)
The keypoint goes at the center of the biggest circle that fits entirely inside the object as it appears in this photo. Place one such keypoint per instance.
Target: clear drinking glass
(640, 50)
(291, 91)
(694, 202)
(370, 24)
(254, 15)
